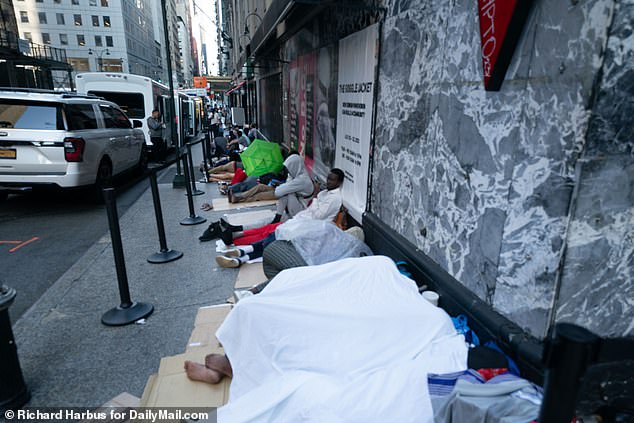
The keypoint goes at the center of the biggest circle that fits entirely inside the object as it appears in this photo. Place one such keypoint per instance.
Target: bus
(198, 122)
(136, 95)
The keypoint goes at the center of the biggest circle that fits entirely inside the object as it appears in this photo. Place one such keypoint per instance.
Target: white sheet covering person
(349, 341)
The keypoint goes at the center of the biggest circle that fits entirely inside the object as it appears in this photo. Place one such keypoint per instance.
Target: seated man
(292, 195)
(240, 140)
(323, 207)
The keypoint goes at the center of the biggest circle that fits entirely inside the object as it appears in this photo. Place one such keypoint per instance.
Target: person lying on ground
(324, 206)
(326, 342)
(251, 243)
(249, 182)
(292, 196)
(226, 172)
(296, 243)
(216, 367)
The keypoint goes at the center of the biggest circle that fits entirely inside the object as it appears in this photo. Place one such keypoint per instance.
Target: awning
(236, 87)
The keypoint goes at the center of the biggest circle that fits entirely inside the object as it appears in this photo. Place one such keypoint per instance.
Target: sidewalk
(69, 358)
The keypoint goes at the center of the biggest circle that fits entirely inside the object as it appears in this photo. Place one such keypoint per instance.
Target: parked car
(66, 140)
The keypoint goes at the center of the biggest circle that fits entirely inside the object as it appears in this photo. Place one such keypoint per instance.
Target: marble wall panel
(597, 287)
(483, 182)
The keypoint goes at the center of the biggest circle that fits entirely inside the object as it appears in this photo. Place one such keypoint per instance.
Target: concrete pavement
(69, 358)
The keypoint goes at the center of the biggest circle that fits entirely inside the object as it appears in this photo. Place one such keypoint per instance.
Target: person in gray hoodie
(292, 196)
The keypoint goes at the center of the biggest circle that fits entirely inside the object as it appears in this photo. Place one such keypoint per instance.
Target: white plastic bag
(319, 242)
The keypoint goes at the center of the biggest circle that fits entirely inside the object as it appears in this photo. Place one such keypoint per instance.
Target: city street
(43, 233)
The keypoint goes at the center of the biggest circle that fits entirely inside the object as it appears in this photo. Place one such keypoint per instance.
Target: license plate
(7, 153)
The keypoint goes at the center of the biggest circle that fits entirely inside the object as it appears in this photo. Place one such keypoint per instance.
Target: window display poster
(302, 105)
(325, 112)
(355, 107)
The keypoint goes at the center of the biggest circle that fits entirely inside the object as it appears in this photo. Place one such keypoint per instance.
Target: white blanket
(348, 341)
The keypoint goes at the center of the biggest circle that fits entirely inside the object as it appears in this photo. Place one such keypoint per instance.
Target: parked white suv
(66, 140)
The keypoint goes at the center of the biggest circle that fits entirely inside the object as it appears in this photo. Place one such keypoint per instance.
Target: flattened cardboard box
(172, 388)
(207, 322)
(212, 314)
(117, 406)
(204, 336)
(249, 275)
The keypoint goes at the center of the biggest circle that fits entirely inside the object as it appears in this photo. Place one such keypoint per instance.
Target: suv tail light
(74, 149)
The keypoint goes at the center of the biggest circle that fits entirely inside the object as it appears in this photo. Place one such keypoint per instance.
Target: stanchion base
(17, 401)
(195, 220)
(119, 316)
(197, 192)
(165, 256)
(178, 181)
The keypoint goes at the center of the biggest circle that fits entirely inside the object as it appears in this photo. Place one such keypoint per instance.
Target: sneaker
(226, 236)
(211, 233)
(234, 252)
(227, 262)
(224, 224)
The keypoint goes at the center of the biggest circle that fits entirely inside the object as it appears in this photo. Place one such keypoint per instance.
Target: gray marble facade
(523, 195)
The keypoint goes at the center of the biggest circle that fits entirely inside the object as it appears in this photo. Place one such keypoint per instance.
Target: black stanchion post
(127, 312)
(13, 391)
(567, 357)
(192, 219)
(165, 255)
(205, 147)
(192, 174)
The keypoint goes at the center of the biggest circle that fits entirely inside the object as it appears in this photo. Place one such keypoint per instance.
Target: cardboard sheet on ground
(207, 322)
(224, 204)
(246, 218)
(120, 404)
(346, 341)
(250, 274)
(172, 388)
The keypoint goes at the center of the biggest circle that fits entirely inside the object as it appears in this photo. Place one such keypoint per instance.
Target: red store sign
(501, 24)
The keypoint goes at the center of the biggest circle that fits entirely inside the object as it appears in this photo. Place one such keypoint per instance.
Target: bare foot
(196, 371)
(220, 363)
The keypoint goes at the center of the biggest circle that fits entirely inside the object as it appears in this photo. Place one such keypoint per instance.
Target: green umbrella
(262, 157)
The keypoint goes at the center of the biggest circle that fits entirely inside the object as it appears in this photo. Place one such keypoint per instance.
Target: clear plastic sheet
(320, 242)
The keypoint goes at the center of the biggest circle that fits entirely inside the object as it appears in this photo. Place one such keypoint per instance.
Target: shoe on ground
(227, 262)
(226, 235)
(224, 224)
(211, 233)
(234, 252)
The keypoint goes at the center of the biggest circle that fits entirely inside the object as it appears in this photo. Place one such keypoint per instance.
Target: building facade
(185, 43)
(525, 196)
(25, 63)
(98, 35)
(139, 37)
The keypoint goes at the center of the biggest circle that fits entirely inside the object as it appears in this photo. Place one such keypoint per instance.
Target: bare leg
(226, 168)
(220, 177)
(196, 371)
(219, 363)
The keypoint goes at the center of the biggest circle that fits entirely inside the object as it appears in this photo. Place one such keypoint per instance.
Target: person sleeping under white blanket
(348, 341)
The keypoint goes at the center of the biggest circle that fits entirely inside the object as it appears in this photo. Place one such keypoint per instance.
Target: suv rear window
(25, 114)
(80, 116)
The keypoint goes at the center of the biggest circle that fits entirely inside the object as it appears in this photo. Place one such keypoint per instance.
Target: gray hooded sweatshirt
(298, 181)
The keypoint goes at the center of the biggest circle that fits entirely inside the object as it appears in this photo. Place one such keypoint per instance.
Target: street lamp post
(99, 54)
